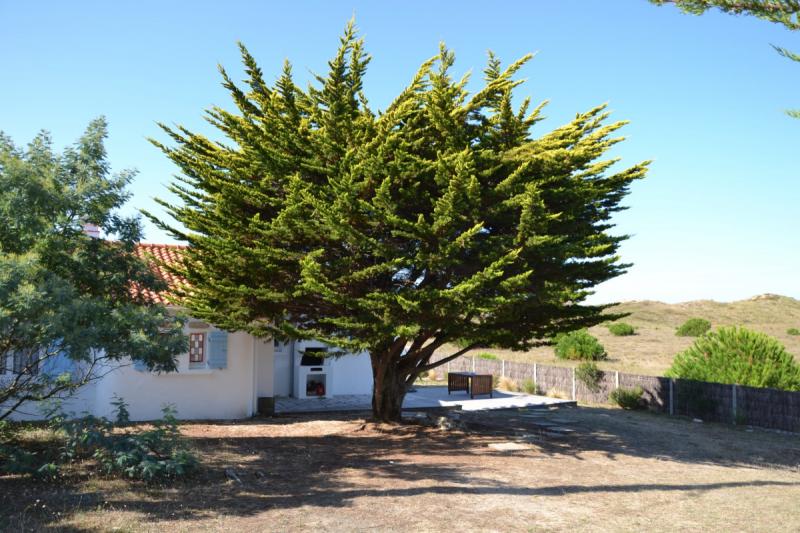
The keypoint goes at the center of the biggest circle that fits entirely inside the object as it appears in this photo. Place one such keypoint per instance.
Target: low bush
(557, 393)
(487, 356)
(579, 344)
(506, 383)
(590, 375)
(155, 453)
(738, 355)
(529, 387)
(793, 331)
(621, 329)
(694, 327)
(628, 398)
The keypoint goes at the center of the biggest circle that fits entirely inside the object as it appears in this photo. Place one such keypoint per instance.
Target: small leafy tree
(579, 344)
(693, 327)
(440, 219)
(738, 355)
(71, 305)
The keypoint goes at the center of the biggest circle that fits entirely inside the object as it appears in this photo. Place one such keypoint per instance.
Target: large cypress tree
(440, 219)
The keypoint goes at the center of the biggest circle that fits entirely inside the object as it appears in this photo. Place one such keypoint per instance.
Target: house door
(283, 369)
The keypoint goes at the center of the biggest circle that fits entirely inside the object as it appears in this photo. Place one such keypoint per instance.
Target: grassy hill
(655, 344)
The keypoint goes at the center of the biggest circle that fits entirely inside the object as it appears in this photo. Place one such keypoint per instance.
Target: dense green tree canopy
(738, 355)
(68, 304)
(441, 218)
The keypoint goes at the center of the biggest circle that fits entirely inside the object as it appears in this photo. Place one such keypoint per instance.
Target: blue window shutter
(218, 349)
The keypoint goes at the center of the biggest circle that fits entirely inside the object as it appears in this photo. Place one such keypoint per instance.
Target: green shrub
(628, 398)
(579, 344)
(694, 327)
(590, 375)
(155, 453)
(793, 331)
(738, 355)
(529, 386)
(487, 356)
(621, 329)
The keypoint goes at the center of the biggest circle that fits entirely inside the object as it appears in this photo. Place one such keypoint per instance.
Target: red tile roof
(156, 255)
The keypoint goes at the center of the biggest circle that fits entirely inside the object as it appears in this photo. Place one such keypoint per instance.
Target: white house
(224, 375)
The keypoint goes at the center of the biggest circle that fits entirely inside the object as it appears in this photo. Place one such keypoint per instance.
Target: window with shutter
(197, 348)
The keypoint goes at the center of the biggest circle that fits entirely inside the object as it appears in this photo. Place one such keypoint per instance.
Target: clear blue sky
(716, 218)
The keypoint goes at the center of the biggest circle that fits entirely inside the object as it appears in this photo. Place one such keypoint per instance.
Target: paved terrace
(424, 397)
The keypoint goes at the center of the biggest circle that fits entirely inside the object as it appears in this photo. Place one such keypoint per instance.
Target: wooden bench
(482, 384)
(470, 383)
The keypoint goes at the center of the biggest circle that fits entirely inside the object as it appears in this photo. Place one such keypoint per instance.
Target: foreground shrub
(579, 344)
(738, 355)
(628, 398)
(155, 453)
(694, 327)
(590, 375)
(793, 331)
(621, 329)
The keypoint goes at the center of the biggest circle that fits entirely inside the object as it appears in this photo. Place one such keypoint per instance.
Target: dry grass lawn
(655, 344)
(616, 471)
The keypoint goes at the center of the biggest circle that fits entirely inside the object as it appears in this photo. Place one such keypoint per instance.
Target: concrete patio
(423, 398)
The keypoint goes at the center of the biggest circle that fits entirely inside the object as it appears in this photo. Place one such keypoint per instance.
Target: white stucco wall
(265, 368)
(195, 393)
(80, 403)
(352, 374)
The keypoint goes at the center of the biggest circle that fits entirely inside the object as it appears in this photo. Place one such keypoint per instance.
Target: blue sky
(716, 218)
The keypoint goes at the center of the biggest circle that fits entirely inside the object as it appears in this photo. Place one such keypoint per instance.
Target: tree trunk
(388, 389)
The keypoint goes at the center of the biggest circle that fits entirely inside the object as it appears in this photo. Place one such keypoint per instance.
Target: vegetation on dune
(621, 329)
(793, 331)
(579, 344)
(741, 356)
(694, 327)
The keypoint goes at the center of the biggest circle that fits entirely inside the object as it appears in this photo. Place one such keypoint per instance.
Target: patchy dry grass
(615, 470)
(651, 350)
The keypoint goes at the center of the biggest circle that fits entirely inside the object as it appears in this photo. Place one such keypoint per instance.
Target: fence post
(733, 402)
(574, 396)
(503, 367)
(616, 379)
(535, 377)
(671, 396)
(473, 364)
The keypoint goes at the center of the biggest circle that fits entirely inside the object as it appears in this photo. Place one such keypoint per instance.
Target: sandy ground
(569, 469)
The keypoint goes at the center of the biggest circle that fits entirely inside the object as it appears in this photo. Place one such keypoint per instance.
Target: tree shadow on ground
(249, 472)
